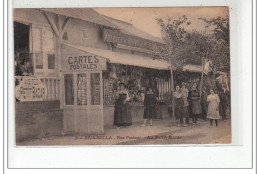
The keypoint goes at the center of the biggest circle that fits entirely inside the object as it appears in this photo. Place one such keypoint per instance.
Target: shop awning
(126, 59)
(192, 68)
(128, 28)
(86, 14)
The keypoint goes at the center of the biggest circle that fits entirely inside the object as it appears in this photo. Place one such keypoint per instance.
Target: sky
(145, 18)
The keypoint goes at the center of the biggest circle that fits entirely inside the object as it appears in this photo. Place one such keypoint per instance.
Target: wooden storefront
(80, 70)
(82, 97)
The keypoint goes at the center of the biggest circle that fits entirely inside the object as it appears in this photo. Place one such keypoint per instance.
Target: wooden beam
(59, 23)
(65, 24)
(59, 26)
(52, 23)
(62, 27)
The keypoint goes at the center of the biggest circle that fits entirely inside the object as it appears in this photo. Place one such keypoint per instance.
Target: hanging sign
(83, 62)
(31, 89)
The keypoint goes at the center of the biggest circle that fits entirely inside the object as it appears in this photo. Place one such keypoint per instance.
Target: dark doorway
(21, 49)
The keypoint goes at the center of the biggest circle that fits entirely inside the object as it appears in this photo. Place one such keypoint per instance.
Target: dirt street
(162, 132)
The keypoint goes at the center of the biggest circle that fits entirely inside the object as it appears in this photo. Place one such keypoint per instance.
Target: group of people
(189, 105)
(122, 116)
(193, 105)
(23, 65)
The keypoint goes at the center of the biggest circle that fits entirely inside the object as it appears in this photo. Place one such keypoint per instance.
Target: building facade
(76, 59)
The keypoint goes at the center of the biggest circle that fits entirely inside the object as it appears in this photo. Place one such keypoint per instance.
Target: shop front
(80, 73)
(136, 72)
(37, 83)
(83, 93)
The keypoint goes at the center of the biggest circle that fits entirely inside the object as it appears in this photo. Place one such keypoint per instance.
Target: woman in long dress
(122, 116)
(195, 104)
(150, 103)
(178, 105)
(213, 107)
(185, 93)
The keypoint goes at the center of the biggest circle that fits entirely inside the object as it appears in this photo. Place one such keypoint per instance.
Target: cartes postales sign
(31, 89)
(81, 62)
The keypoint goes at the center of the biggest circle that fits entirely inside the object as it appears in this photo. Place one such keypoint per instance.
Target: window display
(82, 89)
(95, 88)
(136, 79)
(108, 90)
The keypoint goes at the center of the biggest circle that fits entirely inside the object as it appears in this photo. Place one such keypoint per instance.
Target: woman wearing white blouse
(213, 107)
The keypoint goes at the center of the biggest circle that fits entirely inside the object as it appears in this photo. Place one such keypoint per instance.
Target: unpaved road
(162, 132)
(195, 134)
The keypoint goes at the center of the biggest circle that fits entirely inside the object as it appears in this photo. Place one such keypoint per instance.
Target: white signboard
(83, 62)
(31, 89)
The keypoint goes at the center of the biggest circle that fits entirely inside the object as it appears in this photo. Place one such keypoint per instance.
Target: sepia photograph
(122, 76)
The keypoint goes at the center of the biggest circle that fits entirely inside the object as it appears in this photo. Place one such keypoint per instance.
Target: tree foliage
(190, 47)
(220, 55)
(198, 46)
(174, 34)
(220, 28)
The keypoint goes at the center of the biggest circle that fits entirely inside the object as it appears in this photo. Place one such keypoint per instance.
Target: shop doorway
(83, 102)
(23, 58)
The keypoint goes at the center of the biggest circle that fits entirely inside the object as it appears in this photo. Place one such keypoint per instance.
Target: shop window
(43, 48)
(51, 61)
(48, 40)
(37, 39)
(108, 91)
(69, 91)
(82, 89)
(95, 88)
(38, 60)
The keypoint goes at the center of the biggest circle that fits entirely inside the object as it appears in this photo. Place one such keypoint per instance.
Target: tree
(174, 34)
(220, 54)
(220, 28)
(192, 47)
(198, 45)
(188, 47)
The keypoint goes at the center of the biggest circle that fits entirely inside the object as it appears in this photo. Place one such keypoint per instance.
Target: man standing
(224, 102)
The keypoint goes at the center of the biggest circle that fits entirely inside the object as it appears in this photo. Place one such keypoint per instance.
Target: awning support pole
(202, 73)
(172, 91)
(201, 79)
(172, 82)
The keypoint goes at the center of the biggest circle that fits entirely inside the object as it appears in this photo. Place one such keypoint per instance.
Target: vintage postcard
(122, 76)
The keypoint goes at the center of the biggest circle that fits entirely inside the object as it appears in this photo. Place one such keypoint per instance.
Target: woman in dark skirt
(122, 116)
(195, 104)
(150, 103)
